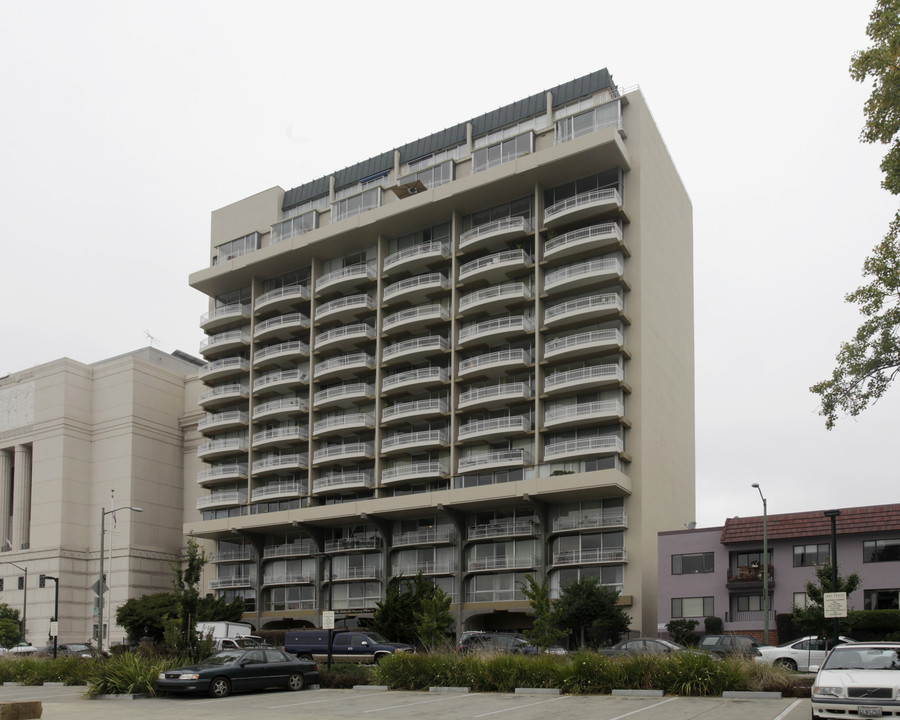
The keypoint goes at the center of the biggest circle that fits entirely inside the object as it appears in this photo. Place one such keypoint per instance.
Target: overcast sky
(125, 124)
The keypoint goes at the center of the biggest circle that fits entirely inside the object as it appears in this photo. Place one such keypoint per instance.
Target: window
(809, 555)
(431, 177)
(748, 603)
(692, 607)
(356, 204)
(233, 249)
(801, 599)
(501, 152)
(574, 126)
(881, 550)
(691, 563)
(881, 599)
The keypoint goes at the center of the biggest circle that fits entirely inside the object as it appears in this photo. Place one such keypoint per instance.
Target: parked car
(480, 641)
(23, 648)
(726, 645)
(238, 670)
(858, 680)
(643, 646)
(361, 646)
(82, 650)
(798, 654)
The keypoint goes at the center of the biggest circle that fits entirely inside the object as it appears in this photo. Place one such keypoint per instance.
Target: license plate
(868, 711)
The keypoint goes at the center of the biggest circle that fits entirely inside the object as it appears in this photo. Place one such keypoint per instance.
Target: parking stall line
(644, 709)
(423, 702)
(520, 707)
(787, 710)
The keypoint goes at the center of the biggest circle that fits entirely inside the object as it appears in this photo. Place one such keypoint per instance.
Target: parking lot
(66, 703)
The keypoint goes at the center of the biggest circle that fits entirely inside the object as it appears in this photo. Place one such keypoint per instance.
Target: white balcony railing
(402, 472)
(226, 365)
(591, 339)
(579, 446)
(291, 320)
(225, 312)
(578, 376)
(431, 313)
(516, 290)
(231, 417)
(411, 377)
(589, 410)
(506, 258)
(231, 582)
(285, 461)
(221, 392)
(351, 272)
(362, 301)
(583, 236)
(341, 422)
(414, 439)
(221, 498)
(588, 269)
(341, 362)
(593, 197)
(298, 547)
(414, 345)
(494, 426)
(225, 339)
(419, 282)
(363, 479)
(503, 562)
(502, 528)
(497, 458)
(518, 390)
(281, 377)
(281, 405)
(497, 227)
(513, 323)
(426, 536)
(288, 292)
(279, 489)
(218, 447)
(226, 471)
(515, 356)
(355, 330)
(292, 347)
(427, 567)
(343, 450)
(286, 433)
(587, 520)
(347, 390)
(417, 407)
(432, 248)
(580, 306)
(590, 555)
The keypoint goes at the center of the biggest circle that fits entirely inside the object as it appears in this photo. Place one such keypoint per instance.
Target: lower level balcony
(426, 568)
(233, 581)
(344, 482)
(222, 473)
(594, 445)
(591, 556)
(494, 459)
(224, 498)
(407, 472)
(278, 491)
(505, 562)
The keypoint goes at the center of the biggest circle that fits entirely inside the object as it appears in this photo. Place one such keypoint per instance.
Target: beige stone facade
(71, 435)
(470, 357)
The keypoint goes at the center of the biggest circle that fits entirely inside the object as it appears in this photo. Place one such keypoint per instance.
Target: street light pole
(24, 596)
(765, 565)
(55, 609)
(833, 514)
(101, 586)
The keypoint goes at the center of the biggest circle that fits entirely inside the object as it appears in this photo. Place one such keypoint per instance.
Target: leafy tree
(406, 611)
(681, 630)
(589, 610)
(146, 615)
(543, 632)
(187, 594)
(214, 607)
(870, 362)
(811, 620)
(10, 626)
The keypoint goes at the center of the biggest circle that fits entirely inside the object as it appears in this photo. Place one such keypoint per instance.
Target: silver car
(858, 680)
(798, 654)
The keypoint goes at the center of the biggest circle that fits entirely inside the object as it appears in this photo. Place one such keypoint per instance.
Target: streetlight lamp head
(137, 509)
(756, 485)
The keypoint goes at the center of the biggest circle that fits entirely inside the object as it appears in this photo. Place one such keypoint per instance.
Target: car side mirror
(365, 642)
(813, 668)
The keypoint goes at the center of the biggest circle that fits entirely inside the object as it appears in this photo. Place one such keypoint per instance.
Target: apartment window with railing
(356, 204)
(298, 225)
(520, 207)
(234, 248)
(692, 563)
(887, 550)
(811, 555)
(612, 576)
(574, 126)
(693, 607)
(502, 152)
(599, 181)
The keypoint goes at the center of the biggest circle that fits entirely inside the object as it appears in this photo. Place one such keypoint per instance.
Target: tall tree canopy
(870, 362)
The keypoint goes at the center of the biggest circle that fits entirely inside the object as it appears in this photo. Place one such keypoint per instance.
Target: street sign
(96, 587)
(54, 628)
(328, 619)
(835, 604)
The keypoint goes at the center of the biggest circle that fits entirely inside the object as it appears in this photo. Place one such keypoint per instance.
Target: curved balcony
(291, 549)
(282, 298)
(426, 536)
(350, 306)
(281, 436)
(601, 410)
(500, 360)
(410, 471)
(281, 381)
(415, 288)
(290, 462)
(224, 342)
(346, 394)
(399, 442)
(496, 297)
(284, 354)
(233, 581)
(344, 363)
(588, 273)
(281, 327)
(344, 482)
(498, 395)
(586, 343)
(415, 318)
(333, 452)
(417, 256)
(503, 328)
(227, 472)
(415, 349)
(359, 541)
(223, 395)
(496, 266)
(220, 422)
(222, 498)
(594, 308)
(591, 520)
(502, 528)
(348, 422)
(224, 368)
(369, 572)
(592, 376)
(583, 206)
(431, 376)
(221, 448)
(428, 567)
(504, 562)
(418, 409)
(344, 335)
(514, 425)
(224, 316)
(591, 556)
(349, 276)
(246, 552)
(494, 459)
(278, 491)
(289, 578)
(585, 241)
(280, 408)
(596, 445)
(508, 228)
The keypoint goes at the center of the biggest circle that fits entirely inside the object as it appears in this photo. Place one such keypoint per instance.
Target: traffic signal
(42, 581)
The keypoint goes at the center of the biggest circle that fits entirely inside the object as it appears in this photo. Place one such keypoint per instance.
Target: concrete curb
(752, 695)
(371, 687)
(449, 689)
(537, 691)
(637, 693)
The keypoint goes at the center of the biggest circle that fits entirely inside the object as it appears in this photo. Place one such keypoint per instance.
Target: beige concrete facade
(71, 435)
(476, 363)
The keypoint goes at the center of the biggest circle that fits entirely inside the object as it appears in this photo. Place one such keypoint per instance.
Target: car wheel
(220, 687)
(786, 663)
(296, 682)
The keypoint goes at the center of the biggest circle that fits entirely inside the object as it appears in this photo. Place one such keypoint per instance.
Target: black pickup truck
(359, 646)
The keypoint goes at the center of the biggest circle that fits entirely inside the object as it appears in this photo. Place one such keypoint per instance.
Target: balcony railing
(419, 282)
(591, 339)
(363, 479)
(591, 269)
(229, 418)
(286, 461)
(231, 582)
(575, 240)
(588, 520)
(247, 552)
(417, 407)
(281, 377)
(356, 573)
(412, 377)
(227, 471)
(591, 410)
(501, 259)
(287, 433)
(404, 472)
(594, 197)
(291, 320)
(497, 458)
(280, 489)
(292, 347)
(357, 542)
(288, 578)
(224, 497)
(580, 306)
(298, 547)
(598, 444)
(225, 339)
(430, 313)
(514, 323)
(504, 390)
(497, 227)
(347, 420)
(226, 365)
(515, 356)
(432, 248)
(590, 556)
(414, 439)
(351, 272)
(354, 360)
(504, 562)
(494, 426)
(585, 375)
(429, 567)
(222, 392)
(414, 345)
(427, 536)
(221, 447)
(286, 404)
(289, 292)
(502, 528)
(224, 313)
(343, 450)
(356, 330)
(347, 390)
(363, 301)
(516, 290)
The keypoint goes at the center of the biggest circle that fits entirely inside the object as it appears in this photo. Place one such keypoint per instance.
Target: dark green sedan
(239, 670)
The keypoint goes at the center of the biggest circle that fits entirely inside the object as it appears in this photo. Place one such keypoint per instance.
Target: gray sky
(125, 124)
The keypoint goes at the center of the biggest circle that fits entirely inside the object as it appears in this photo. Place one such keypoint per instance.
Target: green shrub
(714, 625)
(345, 675)
(131, 673)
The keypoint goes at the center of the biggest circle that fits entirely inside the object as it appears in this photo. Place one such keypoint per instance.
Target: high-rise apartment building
(470, 356)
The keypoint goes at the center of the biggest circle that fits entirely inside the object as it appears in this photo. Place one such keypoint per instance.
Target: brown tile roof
(874, 518)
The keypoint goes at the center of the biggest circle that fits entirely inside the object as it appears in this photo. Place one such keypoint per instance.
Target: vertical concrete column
(21, 498)
(6, 478)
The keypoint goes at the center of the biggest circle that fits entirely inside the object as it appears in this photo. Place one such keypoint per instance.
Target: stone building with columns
(71, 435)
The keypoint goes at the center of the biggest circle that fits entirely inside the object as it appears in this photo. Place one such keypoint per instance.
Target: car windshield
(376, 637)
(224, 658)
(709, 641)
(848, 657)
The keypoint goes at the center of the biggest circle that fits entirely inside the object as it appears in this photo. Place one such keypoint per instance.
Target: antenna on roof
(154, 341)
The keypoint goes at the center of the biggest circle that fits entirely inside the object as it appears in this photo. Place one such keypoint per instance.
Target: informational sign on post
(835, 604)
(328, 619)
(54, 628)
